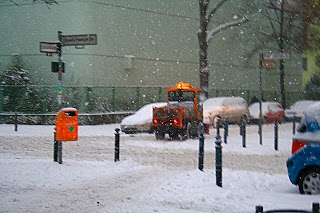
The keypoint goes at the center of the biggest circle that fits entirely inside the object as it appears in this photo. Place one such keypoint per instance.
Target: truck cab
(182, 117)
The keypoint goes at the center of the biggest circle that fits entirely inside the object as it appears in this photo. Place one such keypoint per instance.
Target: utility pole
(281, 45)
(59, 71)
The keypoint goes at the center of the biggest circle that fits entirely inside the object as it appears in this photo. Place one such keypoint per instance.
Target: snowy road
(152, 176)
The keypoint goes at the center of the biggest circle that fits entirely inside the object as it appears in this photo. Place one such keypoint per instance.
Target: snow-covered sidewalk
(152, 176)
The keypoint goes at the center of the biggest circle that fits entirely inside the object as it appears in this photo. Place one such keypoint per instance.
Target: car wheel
(159, 135)
(309, 182)
(186, 133)
(245, 119)
(173, 135)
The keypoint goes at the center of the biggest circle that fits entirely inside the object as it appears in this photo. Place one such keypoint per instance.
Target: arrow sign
(78, 40)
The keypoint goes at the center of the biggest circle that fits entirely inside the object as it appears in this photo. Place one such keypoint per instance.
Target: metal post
(201, 151)
(117, 145)
(243, 133)
(294, 124)
(315, 208)
(16, 122)
(276, 136)
(226, 132)
(259, 209)
(113, 101)
(260, 97)
(55, 148)
(241, 126)
(1, 98)
(218, 157)
(60, 72)
(60, 152)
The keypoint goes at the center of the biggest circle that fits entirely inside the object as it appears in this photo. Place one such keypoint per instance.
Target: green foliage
(18, 93)
(312, 88)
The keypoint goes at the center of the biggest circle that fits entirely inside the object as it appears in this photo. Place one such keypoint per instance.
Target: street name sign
(275, 56)
(78, 40)
(49, 47)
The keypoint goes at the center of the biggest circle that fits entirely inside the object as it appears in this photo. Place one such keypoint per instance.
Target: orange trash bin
(67, 124)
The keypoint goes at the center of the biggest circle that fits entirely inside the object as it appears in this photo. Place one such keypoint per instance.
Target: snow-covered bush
(18, 93)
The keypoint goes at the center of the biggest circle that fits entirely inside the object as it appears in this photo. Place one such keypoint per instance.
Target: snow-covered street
(152, 176)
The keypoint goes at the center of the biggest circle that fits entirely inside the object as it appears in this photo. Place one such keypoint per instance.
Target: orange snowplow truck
(182, 117)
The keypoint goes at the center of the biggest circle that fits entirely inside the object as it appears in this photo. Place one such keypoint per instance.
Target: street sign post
(56, 47)
(79, 40)
(266, 60)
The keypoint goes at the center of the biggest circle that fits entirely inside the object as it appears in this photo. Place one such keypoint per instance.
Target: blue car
(304, 164)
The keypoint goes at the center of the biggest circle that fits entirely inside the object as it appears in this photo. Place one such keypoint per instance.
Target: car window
(302, 126)
(274, 107)
(181, 95)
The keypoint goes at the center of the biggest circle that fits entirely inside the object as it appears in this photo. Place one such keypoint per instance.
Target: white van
(230, 108)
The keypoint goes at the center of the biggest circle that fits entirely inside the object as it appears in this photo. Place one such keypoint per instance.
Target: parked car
(231, 108)
(296, 110)
(304, 164)
(271, 112)
(141, 120)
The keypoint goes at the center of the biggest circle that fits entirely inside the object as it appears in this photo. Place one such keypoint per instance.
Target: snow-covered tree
(205, 36)
(18, 94)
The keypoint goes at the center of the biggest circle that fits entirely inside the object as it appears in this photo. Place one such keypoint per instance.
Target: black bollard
(226, 125)
(294, 124)
(55, 148)
(218, 157)
(201, 151)
(259, 209)
(59, 152)
(243, 134)
(16, 122)
(241, 126)
(315, 208)
(276, 136)
(117, 145)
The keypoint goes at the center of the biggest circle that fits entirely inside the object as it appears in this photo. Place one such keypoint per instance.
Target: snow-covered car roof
(298, 108)
(254, 108)
(311, 124)
(220, 100)
(143, 115)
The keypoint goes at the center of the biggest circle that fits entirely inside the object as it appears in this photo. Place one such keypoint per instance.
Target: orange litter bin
(67, 124)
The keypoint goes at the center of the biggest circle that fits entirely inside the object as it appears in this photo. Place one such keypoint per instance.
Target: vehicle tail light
(155, 121)
(297, 145)
(175, 122)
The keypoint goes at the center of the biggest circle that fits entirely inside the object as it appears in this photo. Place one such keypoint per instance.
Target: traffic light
(55, 66)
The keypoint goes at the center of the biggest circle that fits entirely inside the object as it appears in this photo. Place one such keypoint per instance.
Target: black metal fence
(43, 99)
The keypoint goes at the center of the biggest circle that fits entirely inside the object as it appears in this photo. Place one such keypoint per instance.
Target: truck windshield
(181, 96)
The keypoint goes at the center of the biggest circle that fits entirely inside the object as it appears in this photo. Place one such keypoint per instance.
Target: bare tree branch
(214, 9)
(48, 2)
(14, 2)
(224, 26)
